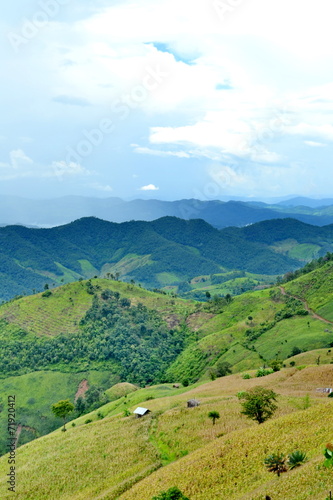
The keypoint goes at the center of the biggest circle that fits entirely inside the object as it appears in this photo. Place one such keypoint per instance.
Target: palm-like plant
(214, 415)
(276, 463)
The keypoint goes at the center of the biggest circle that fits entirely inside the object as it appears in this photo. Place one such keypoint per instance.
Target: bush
(276, 365)
(88, 421)
(296, 458)
(330, 395)
(172, 494)
(262, 372)
(246, 376)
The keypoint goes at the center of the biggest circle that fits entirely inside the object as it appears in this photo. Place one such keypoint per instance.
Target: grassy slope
(115, 457)
(62, 311)
(317, 289)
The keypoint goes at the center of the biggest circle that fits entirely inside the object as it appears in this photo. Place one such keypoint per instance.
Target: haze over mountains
(220, 214)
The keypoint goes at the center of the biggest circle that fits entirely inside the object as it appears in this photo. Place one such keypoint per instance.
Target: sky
(167, 99)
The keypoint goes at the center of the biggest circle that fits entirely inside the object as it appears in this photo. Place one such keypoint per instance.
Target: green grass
(88, 269)
(315, 357)
(126, 265)
(304, 252)
(167, 278)
(304, 332)
(35, 393)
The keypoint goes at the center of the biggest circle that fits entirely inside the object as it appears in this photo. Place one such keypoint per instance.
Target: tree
(214, 415)
(258, 403)
(80, 406)
(62, 409)
(172, 494)
(223, 368)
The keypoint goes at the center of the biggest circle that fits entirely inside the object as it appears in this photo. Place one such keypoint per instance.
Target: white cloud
(158, 152)
(314, 144)
(322, 131)
(103, 58)
(149, 187)
(18, 159)
(220, 134)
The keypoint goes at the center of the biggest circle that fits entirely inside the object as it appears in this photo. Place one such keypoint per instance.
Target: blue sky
(166, 99)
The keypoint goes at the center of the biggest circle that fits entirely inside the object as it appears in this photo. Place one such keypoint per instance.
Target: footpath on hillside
(306, 306)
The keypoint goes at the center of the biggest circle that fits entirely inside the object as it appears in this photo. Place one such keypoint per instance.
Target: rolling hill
(164, 252)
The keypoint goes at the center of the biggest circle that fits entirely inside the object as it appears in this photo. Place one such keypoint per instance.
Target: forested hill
(166, 251)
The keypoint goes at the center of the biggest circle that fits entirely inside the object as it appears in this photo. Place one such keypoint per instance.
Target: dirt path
(306, 306)
(82, 389)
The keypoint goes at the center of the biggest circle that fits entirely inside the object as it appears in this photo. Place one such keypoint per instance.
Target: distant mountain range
(220, 214)
(164, 252)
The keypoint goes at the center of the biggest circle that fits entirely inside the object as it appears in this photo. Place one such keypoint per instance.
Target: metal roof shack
(140, 412)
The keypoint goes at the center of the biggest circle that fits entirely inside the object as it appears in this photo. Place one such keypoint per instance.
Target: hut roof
(141, 411)
(193, 402)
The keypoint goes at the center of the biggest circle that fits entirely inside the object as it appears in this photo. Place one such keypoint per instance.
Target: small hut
(192, 403)
(140, 412)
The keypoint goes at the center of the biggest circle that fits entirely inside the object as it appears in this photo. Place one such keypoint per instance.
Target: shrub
(330, 395)
(172, 494)
(262, 372)
(296, 458)
(276, 463)
(276, 365)
(246, 376)
(88, 421)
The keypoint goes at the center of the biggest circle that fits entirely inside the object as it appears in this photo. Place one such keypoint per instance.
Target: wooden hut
(192, 403)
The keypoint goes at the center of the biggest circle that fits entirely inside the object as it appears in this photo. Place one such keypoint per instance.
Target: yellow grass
(120, 458)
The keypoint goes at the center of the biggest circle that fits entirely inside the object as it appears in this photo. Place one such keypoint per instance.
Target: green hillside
(124, 333)
(123, 457)
(165, 252)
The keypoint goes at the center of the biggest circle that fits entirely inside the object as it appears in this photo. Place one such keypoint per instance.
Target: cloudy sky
(166, 99)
